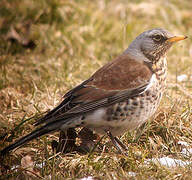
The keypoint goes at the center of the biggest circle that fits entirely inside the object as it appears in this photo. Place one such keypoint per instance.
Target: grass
(72, 40)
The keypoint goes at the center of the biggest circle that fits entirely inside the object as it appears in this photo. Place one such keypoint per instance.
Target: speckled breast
(133, 112)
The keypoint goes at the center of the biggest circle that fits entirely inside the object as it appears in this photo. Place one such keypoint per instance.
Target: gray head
(151, 45)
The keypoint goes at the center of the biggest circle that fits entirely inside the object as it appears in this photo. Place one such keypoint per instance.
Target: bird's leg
(121, 144)
(117, 143)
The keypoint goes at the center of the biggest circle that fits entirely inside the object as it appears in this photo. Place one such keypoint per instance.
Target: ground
(48, 47)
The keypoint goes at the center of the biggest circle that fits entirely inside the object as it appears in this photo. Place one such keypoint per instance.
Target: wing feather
(116, 81)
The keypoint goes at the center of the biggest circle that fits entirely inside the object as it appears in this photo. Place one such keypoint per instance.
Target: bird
(118, 97)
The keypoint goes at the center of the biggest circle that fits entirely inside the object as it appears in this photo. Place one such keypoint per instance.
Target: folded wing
(118, 80)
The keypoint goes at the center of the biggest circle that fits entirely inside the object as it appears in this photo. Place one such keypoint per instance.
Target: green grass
(73, 39)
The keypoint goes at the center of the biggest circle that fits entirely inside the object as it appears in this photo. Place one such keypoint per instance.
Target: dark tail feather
(35, 134)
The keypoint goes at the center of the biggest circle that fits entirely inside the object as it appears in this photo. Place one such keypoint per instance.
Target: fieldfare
(118, 97)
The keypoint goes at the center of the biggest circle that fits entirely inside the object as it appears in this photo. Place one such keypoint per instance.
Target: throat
(160, 69)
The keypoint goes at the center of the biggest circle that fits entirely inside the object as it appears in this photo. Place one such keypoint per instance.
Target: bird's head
(153, 44)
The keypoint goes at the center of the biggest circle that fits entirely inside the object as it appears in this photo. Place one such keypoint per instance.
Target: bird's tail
(47, 128)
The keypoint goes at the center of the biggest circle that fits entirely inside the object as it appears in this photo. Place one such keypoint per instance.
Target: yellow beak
(176, 38)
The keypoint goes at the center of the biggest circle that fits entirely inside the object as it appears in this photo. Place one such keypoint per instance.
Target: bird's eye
(157, 37)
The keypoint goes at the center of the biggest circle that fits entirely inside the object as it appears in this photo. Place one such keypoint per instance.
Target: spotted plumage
(118, 97)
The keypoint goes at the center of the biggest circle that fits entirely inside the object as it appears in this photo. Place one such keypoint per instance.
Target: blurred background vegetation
(49, 46)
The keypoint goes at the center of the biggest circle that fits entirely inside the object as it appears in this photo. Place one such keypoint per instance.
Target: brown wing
(120, 79)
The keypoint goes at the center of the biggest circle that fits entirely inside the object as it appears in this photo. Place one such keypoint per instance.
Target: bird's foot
(121, 148)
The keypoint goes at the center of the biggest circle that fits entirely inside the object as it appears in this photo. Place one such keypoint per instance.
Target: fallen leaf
(21, 35)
